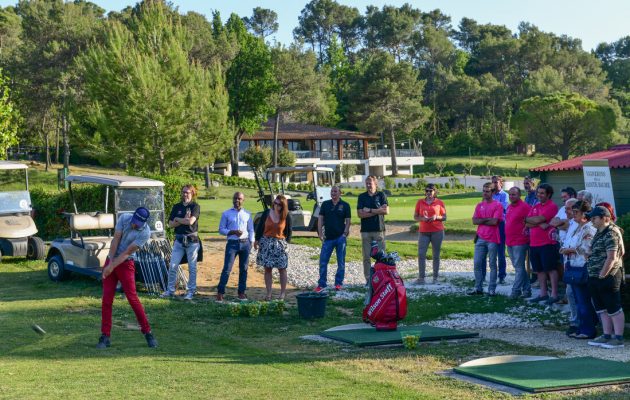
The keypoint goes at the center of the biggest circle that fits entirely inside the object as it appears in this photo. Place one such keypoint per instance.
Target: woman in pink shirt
(543, 249)
(430, 213)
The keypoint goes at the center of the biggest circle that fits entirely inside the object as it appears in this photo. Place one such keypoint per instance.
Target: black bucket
(311, 304)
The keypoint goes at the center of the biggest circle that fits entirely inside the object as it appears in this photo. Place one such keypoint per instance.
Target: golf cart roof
(281, 170)
(8, 165)
(115, 180)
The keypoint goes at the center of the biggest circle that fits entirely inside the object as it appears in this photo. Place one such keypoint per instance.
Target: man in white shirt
(236, 223)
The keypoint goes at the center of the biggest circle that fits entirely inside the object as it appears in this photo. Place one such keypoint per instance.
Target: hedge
(49, 205)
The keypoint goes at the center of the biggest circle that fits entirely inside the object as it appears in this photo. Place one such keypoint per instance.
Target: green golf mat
(372, 337)
(548, 375)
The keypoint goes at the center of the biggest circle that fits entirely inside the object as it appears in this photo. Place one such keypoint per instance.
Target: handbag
(574, 275)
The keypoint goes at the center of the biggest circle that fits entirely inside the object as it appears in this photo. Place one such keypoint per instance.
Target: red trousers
(126, 274)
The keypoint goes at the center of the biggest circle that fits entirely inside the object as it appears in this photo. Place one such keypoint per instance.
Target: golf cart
(319, 180)
(85, 253)
(17, 228)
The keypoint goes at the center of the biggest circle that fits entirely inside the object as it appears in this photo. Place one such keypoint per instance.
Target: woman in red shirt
(431, 213)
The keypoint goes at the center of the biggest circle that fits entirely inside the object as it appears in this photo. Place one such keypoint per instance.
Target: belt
(238, 240)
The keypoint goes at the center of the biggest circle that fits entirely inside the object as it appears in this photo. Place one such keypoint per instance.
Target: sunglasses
(428, 190)
(277, 203)
(186, 192)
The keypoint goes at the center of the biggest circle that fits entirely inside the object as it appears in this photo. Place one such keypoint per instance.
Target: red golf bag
(386, 301)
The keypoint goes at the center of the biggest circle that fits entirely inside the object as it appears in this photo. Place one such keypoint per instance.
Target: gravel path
(518, 325)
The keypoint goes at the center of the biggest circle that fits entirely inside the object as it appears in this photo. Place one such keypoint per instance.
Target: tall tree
(321, 19)
(150, 105)
(302, 90)
(392, 28)
(387, 98)
(263, 22)
(251, 85)
(9, 118)
(566, 124)
(54, 33)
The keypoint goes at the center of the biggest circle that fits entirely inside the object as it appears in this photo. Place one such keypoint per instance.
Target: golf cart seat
(82, 222)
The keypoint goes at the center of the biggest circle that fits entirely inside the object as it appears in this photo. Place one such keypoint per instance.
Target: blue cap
(140, 217)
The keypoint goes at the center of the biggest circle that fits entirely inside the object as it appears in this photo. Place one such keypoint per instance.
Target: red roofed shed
(569, 173)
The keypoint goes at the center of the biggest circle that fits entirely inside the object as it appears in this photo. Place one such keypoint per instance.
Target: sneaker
(526, 295)
(502, 281)
(573, 330)
(219, 296)
(599, 341)
(553, 300)
(474, 292)
(103, 342)
(613, 343)
(242, 296)
(189, 296)
(166, 295)
(319, 289)
(151, 340)
(338, 287)
(539, 299)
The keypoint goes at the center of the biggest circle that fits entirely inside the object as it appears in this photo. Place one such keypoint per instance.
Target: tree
(258, 158)
(565, 124)
(250, 84)
(301, 90)
(149, 104)
(286, 158)
(321, 19)
(54, 32)
(392, 29)
(9, 118)
(348, 171)
(263, 22)
(387, 98)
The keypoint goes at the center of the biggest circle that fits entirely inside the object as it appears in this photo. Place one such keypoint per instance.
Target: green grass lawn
(459, 209)
(205, 353)
(514, 165)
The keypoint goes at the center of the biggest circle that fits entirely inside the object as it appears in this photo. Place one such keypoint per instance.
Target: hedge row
(50, 205)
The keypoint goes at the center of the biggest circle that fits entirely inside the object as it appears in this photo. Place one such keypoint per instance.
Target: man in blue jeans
(333, 226)
(502, 197)
(237, 225)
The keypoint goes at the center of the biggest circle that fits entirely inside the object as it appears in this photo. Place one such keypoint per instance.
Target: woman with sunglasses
(273, 231)
(430, 213)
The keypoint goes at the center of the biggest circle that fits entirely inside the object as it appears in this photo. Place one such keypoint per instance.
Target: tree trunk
(206, 176)
(276, 128)
(57, 145)
(392, 152)
(47, 144)
(234, 154)
(66, 142)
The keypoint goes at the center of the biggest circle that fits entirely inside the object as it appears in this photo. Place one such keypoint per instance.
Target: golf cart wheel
(56, 269)
(35, 249)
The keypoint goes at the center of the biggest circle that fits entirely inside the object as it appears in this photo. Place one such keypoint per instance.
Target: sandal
(583, 336)
(267, 298)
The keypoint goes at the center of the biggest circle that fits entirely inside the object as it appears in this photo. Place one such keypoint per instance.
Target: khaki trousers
(366, 242)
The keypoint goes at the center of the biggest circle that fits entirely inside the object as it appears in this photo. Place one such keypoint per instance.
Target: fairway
(204, 353)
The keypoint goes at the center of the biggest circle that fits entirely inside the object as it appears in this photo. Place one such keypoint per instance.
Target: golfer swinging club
(131, 233)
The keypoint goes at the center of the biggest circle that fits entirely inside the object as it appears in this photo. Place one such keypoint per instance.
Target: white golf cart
(319, 180)
(85, 253)
(17, 228)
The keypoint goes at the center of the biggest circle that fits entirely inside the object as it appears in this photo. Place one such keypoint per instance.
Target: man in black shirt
(371, 207)
(333, 226)
(184, 218)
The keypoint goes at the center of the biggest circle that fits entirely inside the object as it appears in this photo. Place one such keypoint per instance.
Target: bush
(421, 183)
(389, 183)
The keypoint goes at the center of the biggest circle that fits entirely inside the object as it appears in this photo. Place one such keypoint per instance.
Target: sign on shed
(597, 181)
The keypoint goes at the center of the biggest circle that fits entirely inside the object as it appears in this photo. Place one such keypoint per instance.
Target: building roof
(618, 157)
(115, 180)
(295, 131)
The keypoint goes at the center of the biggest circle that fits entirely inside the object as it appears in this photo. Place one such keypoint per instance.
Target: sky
(591, 21)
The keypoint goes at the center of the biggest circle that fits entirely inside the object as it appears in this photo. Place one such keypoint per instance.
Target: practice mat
(372, 337)
(549, 375)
